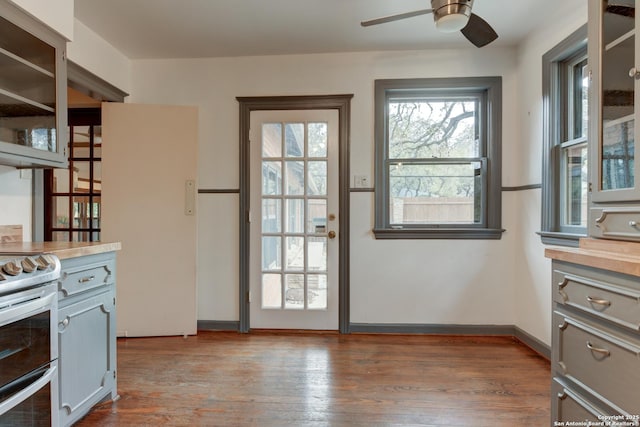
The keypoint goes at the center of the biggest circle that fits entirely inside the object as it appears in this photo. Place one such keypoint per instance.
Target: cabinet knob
(65, 322)
(633, 223)
(634, 73)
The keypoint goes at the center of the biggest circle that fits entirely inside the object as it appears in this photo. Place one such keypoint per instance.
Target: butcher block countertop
(62, 250)
(621, 257)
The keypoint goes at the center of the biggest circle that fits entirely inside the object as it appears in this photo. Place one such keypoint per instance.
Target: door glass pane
(97, 177)
(295, 178)
(60, 211)
(60, 236)
(271, 178)
(294, 253)
(294, 139)
(271, 251)
(271, 290)
(81, 177)
(271, 215)
(81, 138)
(294, 291)
(271, 140)
(317, 211)
(61, 180)
(317, 253)
(317, 181)
(295, 216)
(618, 95)
(317, 139)
(95, 212)
(317, 291)
(97, 142)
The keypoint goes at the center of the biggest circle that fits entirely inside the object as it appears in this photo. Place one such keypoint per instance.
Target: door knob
(332, 234)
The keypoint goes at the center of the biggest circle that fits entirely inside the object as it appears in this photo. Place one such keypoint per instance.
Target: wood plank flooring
(306, 379)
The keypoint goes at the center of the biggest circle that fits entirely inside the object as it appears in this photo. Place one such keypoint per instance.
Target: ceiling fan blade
(395, 17)
(628, 11)
(478, 31)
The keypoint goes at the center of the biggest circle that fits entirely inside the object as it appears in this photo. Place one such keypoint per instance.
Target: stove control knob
(12, 269)
(43, 263)
(28, 265)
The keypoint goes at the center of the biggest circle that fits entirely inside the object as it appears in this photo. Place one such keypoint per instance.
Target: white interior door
(294, 219)
(149, 169)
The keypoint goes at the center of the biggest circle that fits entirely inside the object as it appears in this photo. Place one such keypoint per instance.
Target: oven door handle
(19, 311)
(27, 392)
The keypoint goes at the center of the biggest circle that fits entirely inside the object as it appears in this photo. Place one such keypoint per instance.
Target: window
(438, 158)
(72, 196)
(565, 181)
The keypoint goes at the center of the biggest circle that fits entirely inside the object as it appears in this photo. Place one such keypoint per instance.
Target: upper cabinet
(33, 94)
(614, 62)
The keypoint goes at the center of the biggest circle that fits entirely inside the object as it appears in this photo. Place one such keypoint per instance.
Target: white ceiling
(216, 28)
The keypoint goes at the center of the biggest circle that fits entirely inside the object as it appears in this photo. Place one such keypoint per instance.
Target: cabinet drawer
(599, 360)
(618, 304)
(85, 277)
(615, 223)
(571, 405)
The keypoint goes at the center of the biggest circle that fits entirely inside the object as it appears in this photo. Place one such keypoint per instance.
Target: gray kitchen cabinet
(595, 358)
(86, 334)
(33, 91)
(614, 182)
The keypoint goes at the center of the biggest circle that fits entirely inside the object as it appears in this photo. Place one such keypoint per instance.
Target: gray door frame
(342, 103)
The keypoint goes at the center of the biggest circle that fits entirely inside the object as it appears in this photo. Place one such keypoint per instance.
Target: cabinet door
(613, 58)
(87, 354)
(32, 92)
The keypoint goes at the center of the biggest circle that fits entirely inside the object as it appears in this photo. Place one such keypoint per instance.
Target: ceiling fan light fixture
(452, 23)
(451, 15)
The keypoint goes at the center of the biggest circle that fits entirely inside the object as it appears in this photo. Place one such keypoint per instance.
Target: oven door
(28, 357)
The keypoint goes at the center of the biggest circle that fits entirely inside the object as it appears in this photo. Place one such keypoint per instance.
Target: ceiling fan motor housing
(451, 15)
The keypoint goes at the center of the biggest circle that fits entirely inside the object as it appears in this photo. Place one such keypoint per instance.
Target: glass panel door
(296, 196)
(618, 95)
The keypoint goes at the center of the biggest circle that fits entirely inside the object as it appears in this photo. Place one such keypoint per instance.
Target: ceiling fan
(450, 16)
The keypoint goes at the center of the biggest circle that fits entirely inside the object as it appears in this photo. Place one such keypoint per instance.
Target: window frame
(489, 92)
(558, 131)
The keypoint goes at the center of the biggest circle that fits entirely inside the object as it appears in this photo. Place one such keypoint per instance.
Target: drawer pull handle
(602, 351)
(86, 279)
(599, 301)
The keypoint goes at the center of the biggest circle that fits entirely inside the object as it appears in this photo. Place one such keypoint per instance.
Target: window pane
(295, 216)
(295, 178)
(81, 177)
(317, 253)
(580, 100)
(317, 291)
(433, 129)
(271, 140)
(317, 139)
(97, 177)
(576, 185)
(317, 211)
(294, 139)
(271, 251)
(295, 253)
(60, 236)
(271, 290)
(81, 137)
(294, 291)
(97, 142)
(271, 215)
(435, 193)
(60, 209)
(61, 180)
(317, 181)
(271, 178)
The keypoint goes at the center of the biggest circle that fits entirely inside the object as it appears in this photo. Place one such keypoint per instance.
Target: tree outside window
(438, 158)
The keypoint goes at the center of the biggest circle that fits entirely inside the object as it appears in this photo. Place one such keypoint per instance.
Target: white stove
(23, 271)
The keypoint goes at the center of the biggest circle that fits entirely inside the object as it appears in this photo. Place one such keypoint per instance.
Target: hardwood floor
(289, 379)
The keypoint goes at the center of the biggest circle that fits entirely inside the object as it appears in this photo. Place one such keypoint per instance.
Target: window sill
(560, 239)
(438, 233)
